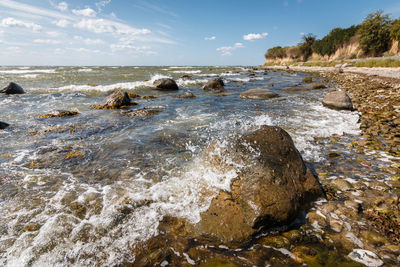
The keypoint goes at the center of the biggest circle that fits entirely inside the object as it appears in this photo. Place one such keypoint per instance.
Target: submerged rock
(258, 94)
(307, 80)
(338, 100)
(116, 100)
(186, 77)
(144, 112)
(216, 85)
(12, 88)
(296, 89)
(59, 114)
(186, 95)
(165, 84)
(316, 86)
(3, 125)
(273, 186)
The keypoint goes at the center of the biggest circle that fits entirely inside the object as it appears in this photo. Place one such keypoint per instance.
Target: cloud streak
(12, 22)
(254, 36)
(211, 38)
(227, 50)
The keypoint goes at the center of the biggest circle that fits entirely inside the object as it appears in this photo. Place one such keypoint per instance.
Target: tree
(375, 33)
(395, 31)
(306, 46)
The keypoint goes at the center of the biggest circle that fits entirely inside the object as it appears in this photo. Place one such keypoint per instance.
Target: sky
(167, 32)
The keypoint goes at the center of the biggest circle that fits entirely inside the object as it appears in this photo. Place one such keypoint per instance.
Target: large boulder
(12, 88)
(338, 100)
(216, 85)
(118, 99)
(273, 187)
(258, 94)
(3, 125)
(165, 84)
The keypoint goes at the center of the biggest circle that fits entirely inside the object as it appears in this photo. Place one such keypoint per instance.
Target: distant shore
(380, 72)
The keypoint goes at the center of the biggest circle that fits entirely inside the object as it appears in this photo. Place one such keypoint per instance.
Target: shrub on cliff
(395, 31)
(306, 46)
(275, 52)
(375, 33)
(334, 40)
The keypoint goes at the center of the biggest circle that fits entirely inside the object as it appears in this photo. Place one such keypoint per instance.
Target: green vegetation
(375, 36)
(395, 31)
(336, 39)
(375, 33)
(389, 63)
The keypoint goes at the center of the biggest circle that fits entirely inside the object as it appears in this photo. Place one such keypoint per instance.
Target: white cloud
(87, 12)
(254, 36)
(33, 10)
(285, 3)
(63, 6)
(63, 23)
(210, 38)
(226, 50)
(89, 41)
(102, 4)
(11, 22)
(107, 26)
(1, 42)
(85, 50)
(46, 41)
(53, 33)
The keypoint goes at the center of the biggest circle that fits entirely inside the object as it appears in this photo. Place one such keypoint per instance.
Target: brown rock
(60, 114)
(144, 112)
(216, 85)
(316, 86)
(272, 188)
(307, 80)
(117, 99)
(186, 95)
(258, 94)
(165, 84)
(296, 89)
(12, 88)
(338, 100)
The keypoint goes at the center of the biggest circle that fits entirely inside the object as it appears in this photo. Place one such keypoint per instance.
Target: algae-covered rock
(186, 95)
(258, 94)
(12, 88)
(116, 100)
(296, 89)
(144, 112)
(316, 86)
(59, 114)
(273, 186)
(307, 80)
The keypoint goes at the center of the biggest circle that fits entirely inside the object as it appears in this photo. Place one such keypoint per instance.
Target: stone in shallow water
(316, 86)
(296, 89)
(216, 85)
(365, 257)
(12, 88)
(59, 114)
(165, 84)
(186, 95)
(258, 94)
(338, 100)
(3, 125)
(273, 186)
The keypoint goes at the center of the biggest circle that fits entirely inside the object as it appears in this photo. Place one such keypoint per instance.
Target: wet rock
(338, 100)
(316, 86)
(342, 184)
(186, 77)
(12, 88)
(60, 114)
(144, 112)
(258, 94)
(296, 89)
(307, 80)
(116, 100)
(148, 97)
(133, 95)
(365, 257)
(165, 84)
(3, 125)
(272, 188)
(216, 85)
(186, 95)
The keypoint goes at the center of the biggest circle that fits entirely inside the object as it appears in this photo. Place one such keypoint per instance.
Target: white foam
(187, 71)
(25, 71)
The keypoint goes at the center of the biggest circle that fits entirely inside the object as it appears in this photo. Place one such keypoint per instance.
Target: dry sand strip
(381, 72)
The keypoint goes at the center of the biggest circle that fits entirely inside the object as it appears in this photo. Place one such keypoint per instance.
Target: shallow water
(86, 189)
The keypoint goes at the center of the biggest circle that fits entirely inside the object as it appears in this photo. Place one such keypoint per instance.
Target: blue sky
(166, 32)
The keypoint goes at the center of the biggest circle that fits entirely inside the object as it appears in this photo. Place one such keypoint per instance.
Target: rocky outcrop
(3, 125)
(60, 114)
(216, 85)
(165, 84)
(272, 188)
(12, 88)
(338, 100)
(316, 86)
(258, 93)
(116, 100)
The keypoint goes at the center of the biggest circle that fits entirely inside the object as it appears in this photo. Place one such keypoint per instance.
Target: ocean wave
(187, 71)
(25, 71)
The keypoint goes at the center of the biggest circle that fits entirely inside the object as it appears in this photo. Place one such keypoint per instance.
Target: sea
(64, 182)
